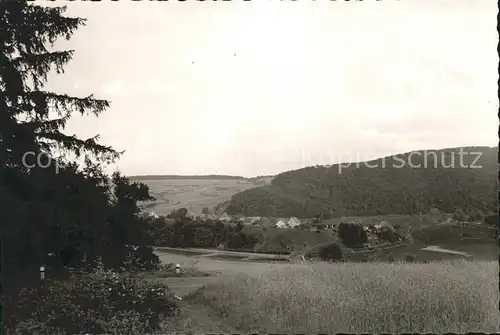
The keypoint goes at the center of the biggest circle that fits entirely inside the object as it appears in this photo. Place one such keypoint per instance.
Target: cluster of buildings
(283, 223)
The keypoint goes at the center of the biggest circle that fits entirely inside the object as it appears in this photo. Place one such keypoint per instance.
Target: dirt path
(436, 248)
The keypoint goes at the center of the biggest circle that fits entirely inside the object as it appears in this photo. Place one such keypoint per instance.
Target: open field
(193, 194)
(443, 296)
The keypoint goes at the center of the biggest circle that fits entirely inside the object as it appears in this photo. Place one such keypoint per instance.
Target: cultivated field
(316, 297)
(450, 296)
(193, 194)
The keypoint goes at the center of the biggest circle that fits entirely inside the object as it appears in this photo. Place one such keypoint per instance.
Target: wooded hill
(389, 186)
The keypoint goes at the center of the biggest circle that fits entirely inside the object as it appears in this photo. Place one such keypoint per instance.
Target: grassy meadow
(193, 194)
(449, 296)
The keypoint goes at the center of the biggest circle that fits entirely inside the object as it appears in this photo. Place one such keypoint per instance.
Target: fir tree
(75, 214)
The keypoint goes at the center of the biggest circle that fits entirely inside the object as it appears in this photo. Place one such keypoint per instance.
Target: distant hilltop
(258, 179)
(212, 176)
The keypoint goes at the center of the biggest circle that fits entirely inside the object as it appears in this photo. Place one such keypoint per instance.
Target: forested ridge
(387, 187)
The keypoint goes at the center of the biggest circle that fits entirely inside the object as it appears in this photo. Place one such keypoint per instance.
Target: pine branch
(29, 27)
(64, 105)
(39, 65)
(45, 126)
(81, 147)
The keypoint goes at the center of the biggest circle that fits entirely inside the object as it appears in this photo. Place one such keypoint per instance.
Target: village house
(153, 215)
(224, 217)
(280, 223)
(293, 222)
(206, 217)
(254, 219)
(191, 215)
(381, 224)
(246, 221)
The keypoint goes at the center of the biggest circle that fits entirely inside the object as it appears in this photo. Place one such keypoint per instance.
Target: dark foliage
(66, 214)
(409, 259)
(184, 232)
(99, 303)
(387, 234)
(459, 215)
(492, 220)
(331, 252)
(352, 234)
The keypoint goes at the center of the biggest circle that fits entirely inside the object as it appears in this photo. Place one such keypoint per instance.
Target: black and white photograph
(249, 167)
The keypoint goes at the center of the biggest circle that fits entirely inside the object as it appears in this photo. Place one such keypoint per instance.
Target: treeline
(387, 187)
(178, 231)
(64, 215)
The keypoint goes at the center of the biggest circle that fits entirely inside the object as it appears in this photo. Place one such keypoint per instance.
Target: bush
(101, 302)
(409, 258)
(460, 216)
(352, 234)
(387, 234)
(390, 257)
(141, 258)
(331, 252)
(235, 241)
(203, 237)
(491, 219)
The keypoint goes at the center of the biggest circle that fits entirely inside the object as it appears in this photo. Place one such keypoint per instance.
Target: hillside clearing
(192, 194)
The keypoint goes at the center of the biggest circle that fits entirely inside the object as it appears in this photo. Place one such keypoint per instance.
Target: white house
(293, 222)
(280, 223)
(225, 217)
(208, 217)
(381, 224)
(254, 218)
(153, 215)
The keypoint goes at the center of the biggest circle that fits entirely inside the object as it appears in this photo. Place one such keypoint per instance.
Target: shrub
(459, 215)
(352, 234)
(409, 258)
(390, 257)
(203, 237)
(235, 241)
(491, 219)
(387, 234)
(101, 302)
(331, 252)
(141, 258)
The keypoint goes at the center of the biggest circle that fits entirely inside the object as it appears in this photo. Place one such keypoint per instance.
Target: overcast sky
(261, 87)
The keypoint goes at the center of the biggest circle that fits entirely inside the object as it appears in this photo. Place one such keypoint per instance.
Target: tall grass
(454, 296)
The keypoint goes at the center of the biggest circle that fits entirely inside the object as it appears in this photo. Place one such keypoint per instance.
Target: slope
(406, 183)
